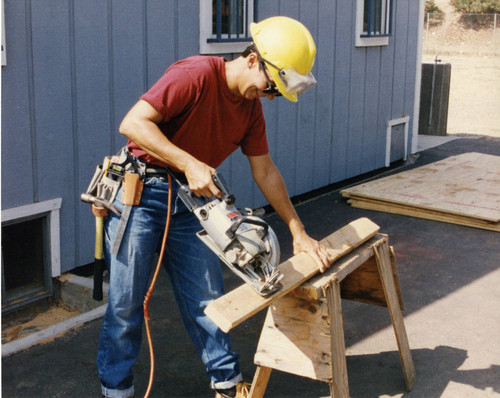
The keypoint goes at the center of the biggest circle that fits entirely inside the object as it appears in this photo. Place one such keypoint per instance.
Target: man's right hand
(199, 177)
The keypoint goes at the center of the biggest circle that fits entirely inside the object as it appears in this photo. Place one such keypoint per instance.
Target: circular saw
(242, 240)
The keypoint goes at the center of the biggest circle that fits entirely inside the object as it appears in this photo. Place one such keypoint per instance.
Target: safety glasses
(270, 90)
(294, 82)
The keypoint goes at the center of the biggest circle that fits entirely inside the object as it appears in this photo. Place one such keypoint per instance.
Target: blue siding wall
(74, 68)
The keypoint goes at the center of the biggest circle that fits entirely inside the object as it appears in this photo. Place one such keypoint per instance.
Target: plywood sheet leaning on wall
(240, 304)
(462, 189)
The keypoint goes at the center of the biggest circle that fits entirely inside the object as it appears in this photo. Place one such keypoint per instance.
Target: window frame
(366, 39)
(210, 44)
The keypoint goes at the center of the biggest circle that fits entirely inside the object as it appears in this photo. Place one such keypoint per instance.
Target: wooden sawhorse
(303, 333)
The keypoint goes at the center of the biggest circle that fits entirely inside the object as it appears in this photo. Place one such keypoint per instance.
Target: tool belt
(120, 170)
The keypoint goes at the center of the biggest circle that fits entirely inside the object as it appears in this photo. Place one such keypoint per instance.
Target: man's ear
(252, 60)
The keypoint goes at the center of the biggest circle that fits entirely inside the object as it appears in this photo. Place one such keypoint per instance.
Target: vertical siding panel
(400, 42)
(356, 106)
(325, 89)
(188, 28)
(370, 120)
(54, 124)
(306, 126)
(340, 127)
(162, 38)
(268, 9)
(240, 181)
(385, 98)
(17, 187)
(287, 120)
(128, 62)
(411, 62)
(76, 67)
(92, 107)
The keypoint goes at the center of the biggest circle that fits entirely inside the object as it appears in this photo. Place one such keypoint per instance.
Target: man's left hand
(304, 243)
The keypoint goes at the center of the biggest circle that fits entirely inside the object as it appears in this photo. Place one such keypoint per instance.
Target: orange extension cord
(151, 288)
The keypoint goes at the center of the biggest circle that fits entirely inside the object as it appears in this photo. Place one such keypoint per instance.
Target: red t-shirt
(201, 115)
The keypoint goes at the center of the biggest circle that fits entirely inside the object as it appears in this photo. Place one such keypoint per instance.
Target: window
(224, 25)
(373, 22)
(30, 252)
(397, 140)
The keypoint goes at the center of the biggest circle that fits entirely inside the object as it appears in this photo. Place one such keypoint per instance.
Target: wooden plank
(382, 254)
(395, 274)
(437, 213)
(295, 338)
(364, 285)
(259, 383)
(464, 185)
(426, 214)
(313, 288)
(339, 386)
(240, 304)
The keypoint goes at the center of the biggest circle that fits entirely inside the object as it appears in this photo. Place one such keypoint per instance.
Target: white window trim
(206, 32)
(52, 207)
(366, 41)
(394, 122)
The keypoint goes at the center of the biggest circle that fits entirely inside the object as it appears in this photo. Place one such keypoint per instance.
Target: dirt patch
(16, 327)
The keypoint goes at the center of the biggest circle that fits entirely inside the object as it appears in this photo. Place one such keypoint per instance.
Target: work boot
(241, 390)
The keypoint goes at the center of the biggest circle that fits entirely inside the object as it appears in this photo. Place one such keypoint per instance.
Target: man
(199, 111)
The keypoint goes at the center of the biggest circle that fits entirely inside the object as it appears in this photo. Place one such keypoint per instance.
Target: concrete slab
(449, 277)
(431, 141)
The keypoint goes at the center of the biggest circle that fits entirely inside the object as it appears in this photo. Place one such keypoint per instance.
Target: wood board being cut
(462, 189)
(241, 303)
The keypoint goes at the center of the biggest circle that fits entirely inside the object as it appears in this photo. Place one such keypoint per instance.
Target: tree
(476, 6)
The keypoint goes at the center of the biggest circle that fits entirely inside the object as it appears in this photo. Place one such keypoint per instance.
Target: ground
(474, 108)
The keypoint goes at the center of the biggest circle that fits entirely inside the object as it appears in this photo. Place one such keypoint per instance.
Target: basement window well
(30, 253)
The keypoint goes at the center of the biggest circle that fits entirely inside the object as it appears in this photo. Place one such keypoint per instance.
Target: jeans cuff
(224, 385)
(112, 393)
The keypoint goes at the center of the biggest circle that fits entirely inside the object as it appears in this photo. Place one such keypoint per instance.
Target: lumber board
(340, 384)
(382, 253)
(241, 303)
(296, 338)
(259, 382)
(426, 214)
(462, 189)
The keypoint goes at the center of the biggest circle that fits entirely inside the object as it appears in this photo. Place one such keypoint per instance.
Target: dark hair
(250, 49)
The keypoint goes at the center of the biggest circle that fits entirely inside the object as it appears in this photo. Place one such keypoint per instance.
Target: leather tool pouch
(132, 189)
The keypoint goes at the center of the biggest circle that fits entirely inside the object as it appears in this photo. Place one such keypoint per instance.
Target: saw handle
(221, 184)
(231, 232)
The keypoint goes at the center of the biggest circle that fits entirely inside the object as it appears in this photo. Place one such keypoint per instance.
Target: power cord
(151, 288)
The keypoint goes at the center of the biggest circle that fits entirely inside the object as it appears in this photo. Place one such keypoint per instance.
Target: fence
(468, 34)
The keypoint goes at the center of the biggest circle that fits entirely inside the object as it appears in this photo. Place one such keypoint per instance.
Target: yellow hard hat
(288, 49)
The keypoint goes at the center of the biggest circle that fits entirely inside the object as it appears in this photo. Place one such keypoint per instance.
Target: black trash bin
(434, 98)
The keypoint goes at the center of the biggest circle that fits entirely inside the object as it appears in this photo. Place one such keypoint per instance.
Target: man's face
(259, 83)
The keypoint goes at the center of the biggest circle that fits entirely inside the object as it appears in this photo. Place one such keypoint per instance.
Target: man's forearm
(274, 189)
(141, 126)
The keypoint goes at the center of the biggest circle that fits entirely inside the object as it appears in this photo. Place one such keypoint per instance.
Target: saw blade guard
(253, 255)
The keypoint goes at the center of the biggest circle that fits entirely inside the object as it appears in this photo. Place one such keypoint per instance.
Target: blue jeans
(196, 277)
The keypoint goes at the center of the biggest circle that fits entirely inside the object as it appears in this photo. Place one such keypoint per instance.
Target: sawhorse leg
(259, 382)
(339, 386)
(383, 257)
